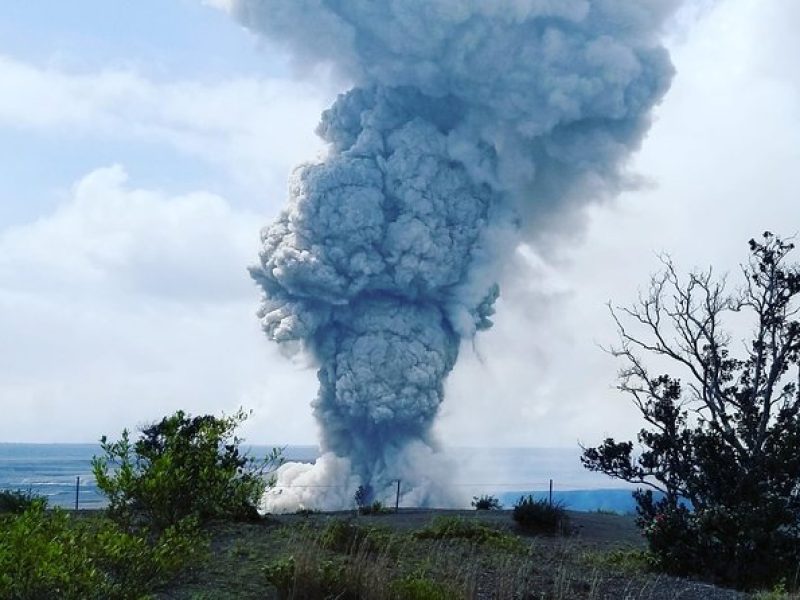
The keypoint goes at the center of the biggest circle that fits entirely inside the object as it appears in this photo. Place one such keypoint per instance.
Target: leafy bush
(486, 502)
(280, 574)
(49, 554)
(182, 466)
(17, 501)
(720, 542)
(540, 516)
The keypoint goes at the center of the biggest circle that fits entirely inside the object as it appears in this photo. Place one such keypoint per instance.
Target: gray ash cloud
(469, 126)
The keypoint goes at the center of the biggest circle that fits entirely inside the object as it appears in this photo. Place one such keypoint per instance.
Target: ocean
(507, 473)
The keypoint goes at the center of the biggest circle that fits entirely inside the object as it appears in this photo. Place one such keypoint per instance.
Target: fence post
(551, 492)
(397, 498)
(77, 490)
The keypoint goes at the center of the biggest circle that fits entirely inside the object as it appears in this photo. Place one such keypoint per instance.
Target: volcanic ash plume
(468, 120)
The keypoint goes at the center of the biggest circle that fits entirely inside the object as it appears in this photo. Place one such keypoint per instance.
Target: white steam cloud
(469, 122)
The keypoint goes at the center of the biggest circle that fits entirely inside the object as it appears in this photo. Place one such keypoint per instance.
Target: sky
(144, 144)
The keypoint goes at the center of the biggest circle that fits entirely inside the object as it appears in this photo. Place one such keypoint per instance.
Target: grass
(777, 593)
(397, 557)
(629, 560)
(461, 528)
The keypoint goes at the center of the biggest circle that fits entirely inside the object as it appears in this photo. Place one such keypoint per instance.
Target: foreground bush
(17, 501)
(540, 516)
(745, 545)
(486, 502)
(182, 467)
(49, 554)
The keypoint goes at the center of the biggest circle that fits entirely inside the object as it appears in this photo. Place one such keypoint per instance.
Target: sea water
(59, 472)
(52, 470)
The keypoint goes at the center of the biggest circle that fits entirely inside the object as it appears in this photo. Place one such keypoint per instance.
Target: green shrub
(280, 574)
(486, 502)
(17, 501)
(540, 516)
(419, 587)
(182, 466)
(341, 535)
(443, 528)
(49, 554)
(311, 579)
(745, 545)
(632, 560)
(345, 536)
(778, 592)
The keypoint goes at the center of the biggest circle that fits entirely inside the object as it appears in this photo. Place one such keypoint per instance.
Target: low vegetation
(540, 516)
(18, 501)
(149, 545)
(398, 557)
(51, 554)
(629, 560)
(486, 502)
(341, 558)
(180, 474)
(476, 532)
(416, 556)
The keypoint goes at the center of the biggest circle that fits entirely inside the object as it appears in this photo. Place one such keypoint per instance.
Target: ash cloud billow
(470, 126)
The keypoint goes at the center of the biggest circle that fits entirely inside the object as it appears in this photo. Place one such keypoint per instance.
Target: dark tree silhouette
(721, 444)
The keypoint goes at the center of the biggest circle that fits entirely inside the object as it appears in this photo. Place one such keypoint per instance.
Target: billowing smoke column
(468, 120)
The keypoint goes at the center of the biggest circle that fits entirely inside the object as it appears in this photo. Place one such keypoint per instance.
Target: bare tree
(725, 434)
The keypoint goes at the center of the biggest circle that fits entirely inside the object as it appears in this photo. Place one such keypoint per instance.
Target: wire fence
(391, 495)
(398, 489)
(398, 494)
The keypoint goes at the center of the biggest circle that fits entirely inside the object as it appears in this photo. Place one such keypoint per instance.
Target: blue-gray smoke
(466, 119)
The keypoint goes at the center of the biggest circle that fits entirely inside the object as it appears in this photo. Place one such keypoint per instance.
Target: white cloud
(113, 241)
(125, 304)
(255, 128)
